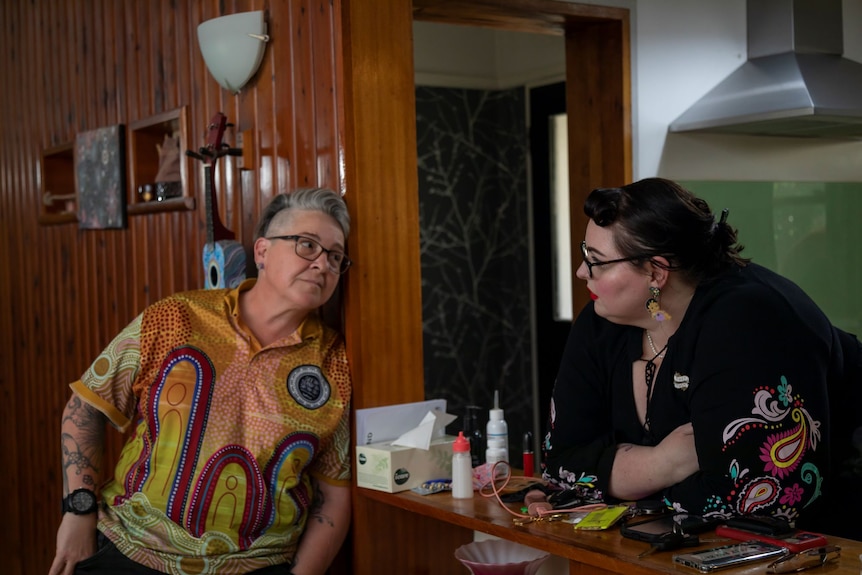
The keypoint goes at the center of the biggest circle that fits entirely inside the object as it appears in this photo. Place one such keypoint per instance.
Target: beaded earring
(652, 305)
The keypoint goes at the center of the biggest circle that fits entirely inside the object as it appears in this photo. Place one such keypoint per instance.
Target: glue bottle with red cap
(462, 469)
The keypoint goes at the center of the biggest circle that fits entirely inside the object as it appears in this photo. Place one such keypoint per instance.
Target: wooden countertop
(606, 550)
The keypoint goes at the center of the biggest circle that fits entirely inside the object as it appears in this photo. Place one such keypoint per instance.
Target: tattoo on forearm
(316, 511)
(82, 451)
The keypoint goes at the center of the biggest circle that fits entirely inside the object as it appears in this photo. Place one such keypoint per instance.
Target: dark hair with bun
(658, 217)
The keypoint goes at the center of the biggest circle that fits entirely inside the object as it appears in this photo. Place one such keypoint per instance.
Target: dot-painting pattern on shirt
(221, 447)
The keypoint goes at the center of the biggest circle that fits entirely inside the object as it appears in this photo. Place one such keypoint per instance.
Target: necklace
(656, 353)
(649, 375)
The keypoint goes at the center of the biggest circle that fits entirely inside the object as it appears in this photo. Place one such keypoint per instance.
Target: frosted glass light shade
(232, 47)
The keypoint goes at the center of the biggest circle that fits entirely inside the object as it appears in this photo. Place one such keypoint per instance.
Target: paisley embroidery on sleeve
(788, 432)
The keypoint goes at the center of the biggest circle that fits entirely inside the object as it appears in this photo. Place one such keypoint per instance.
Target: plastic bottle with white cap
(496, 434)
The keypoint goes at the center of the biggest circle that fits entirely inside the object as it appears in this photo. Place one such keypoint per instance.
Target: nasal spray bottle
(496, 434)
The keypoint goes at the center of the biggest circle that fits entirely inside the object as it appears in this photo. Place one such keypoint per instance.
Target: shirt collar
(310, 328)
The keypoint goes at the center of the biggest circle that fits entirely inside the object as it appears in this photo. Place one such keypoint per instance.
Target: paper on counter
(432, 425)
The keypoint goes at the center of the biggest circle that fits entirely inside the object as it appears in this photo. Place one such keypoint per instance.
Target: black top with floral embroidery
(748, 367)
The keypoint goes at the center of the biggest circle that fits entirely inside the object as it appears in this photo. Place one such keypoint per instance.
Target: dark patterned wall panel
(472, 150)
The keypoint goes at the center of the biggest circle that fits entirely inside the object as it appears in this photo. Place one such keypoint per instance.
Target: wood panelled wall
(76, 65)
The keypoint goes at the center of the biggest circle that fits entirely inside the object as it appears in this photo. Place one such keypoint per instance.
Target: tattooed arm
(327, 525)
(82, 441)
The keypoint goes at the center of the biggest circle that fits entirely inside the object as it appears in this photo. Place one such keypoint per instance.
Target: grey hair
(308, 199)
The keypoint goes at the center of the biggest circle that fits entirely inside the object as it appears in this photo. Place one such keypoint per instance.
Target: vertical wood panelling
(79, 65)
(323, 52)
(12, 24)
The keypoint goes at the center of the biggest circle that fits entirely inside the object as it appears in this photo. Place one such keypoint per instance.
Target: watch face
(82, 501)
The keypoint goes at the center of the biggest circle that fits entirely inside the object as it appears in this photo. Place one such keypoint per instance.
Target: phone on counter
(709, 560)
(795, 541)
(656, 528)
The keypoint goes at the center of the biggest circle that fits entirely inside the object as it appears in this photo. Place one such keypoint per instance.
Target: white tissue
(431, 426)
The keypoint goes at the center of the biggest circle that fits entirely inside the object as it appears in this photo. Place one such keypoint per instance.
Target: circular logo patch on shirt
(308, 387)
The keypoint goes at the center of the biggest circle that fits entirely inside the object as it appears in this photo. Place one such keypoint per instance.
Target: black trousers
(109, 560)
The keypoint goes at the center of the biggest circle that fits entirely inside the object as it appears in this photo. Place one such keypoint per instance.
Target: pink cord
(535, 509)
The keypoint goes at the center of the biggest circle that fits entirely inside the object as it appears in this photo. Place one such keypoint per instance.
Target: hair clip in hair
(652, 305)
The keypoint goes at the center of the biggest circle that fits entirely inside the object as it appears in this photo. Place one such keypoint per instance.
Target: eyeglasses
(594, 263)
(309, 249)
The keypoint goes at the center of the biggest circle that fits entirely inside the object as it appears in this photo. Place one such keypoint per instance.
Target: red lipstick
(593, 296)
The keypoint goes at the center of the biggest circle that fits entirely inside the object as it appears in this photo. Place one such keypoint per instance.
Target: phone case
(762, 524)
(709, 560)
(796, 542)
(650, 530)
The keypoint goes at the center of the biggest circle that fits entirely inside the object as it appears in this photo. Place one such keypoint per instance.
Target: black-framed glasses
(595, 263)
(310, 249)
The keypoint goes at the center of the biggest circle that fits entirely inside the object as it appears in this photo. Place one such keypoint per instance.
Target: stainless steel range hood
(795, 82)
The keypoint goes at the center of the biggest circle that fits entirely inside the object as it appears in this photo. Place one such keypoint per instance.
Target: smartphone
(709, 560)
(796, 541)
(653, 529)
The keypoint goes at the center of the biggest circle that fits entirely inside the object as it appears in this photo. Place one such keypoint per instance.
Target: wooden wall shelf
(144, 137)
(58, 202)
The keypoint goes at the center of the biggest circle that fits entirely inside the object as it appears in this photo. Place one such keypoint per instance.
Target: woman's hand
(76, 540)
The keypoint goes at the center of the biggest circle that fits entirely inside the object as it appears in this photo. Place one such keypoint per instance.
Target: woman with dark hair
(694, 376)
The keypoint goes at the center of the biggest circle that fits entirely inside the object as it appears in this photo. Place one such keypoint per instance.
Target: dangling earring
(652, 304)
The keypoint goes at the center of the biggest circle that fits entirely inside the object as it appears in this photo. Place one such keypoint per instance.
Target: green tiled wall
(808, 232)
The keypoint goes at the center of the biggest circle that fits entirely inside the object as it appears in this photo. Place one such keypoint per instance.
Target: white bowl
(499, 557)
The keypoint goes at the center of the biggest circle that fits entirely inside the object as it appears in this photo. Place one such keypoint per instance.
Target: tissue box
(394, 468)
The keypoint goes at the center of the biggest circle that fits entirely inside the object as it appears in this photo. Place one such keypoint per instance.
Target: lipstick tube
(529, 463)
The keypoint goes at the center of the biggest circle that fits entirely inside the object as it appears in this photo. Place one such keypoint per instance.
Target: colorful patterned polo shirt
(215, 475)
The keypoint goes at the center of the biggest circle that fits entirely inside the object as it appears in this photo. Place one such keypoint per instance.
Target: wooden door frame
(382, 294)
(383, 298)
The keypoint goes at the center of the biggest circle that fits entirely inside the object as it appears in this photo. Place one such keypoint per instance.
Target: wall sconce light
(233, 47)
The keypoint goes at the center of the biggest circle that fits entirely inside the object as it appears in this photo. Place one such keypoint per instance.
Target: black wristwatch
(80, 502)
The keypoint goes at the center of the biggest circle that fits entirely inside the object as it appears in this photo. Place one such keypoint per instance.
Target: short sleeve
(107, 384)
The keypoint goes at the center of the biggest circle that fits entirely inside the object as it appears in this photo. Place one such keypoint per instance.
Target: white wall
(685, 48)
(680, 50)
